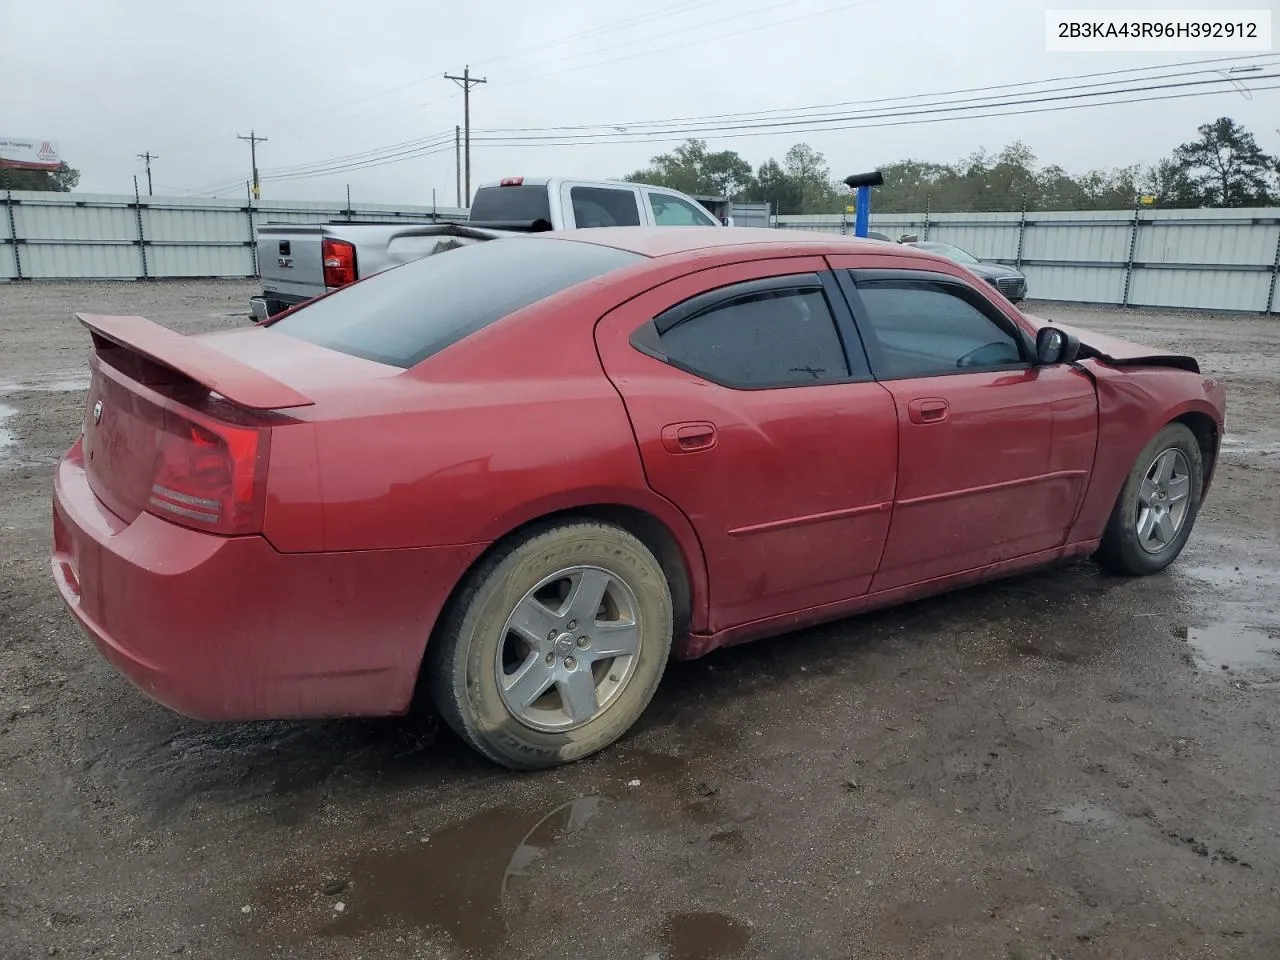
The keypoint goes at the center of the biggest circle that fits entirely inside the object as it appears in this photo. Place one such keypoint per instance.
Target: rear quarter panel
(1134, 404)
(513, 423)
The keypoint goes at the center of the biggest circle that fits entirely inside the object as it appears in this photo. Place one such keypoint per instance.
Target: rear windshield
(407, 313)
(511, 203)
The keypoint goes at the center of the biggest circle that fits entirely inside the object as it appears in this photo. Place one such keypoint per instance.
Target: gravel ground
(1061, 765)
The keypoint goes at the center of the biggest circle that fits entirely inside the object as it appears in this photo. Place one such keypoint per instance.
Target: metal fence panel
(1241, 242)
(1075, 284)
(199, 260)
(1208, 259)
(1200, 289)
(99, 261)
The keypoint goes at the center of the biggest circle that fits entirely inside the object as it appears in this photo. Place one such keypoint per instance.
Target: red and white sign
(17, 153)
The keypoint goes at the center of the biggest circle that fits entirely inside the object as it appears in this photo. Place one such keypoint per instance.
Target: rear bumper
(227, 628)
(269, 304)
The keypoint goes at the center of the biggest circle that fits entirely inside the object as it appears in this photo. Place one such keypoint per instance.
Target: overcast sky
(110, 79)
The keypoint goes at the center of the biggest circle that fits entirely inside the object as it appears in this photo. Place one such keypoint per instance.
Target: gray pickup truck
(299, 261)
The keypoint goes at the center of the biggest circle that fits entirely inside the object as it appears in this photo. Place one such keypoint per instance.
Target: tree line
(62, 180)
(1222, 167)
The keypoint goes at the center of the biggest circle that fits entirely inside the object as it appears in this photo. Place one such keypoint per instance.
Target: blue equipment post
(862, 217)
(862, 183)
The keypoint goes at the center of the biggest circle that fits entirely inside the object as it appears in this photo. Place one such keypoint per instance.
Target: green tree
(772, 185)
(62, 180)
(1226, 166)
(691, 168)
(1169, 181)
(807, 169)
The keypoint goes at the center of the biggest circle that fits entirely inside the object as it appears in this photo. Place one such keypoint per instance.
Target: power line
(674, 10)
(273, 173)
(761, 123)
(906, 123)
(397, 158)
(765, 114)
(799, 124)
(518, 77)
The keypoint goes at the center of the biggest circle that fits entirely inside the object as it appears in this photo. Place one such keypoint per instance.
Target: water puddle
(1250, 447)
(56, 381)
(703, 936)
(1085, 815)
(8, 439)
(1252, 651)
(460, 880)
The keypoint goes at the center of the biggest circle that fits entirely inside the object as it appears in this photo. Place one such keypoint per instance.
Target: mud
(1052, 766)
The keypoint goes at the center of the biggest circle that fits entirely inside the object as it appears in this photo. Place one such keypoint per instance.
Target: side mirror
(1056, 346)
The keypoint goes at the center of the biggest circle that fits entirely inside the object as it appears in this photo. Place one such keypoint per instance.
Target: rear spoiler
(238, 382)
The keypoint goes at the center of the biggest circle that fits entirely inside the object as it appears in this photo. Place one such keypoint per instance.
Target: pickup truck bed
(291, 261)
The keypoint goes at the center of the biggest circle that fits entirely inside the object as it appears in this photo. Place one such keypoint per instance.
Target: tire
(504, 627)
(1125, 549)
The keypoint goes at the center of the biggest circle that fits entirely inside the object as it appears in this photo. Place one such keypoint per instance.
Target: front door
(756, 414)
(994, 452)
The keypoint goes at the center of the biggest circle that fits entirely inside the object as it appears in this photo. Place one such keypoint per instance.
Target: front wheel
(554, 647)
(1157, 507)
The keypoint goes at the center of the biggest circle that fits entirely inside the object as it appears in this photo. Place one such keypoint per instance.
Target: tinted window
(409, 312)
(949, 251)
(773, 337)
(925, 328)
(602, 207)
(669, 211)
(511, 203)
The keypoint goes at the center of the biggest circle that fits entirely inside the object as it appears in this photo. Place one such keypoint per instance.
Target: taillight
(339, 262)
(511, 182)
(209, 475)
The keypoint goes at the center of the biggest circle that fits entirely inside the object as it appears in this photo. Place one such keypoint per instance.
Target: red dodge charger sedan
(525, 472)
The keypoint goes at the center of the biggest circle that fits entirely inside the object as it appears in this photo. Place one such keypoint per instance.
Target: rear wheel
(1155, 511)
(554, 647)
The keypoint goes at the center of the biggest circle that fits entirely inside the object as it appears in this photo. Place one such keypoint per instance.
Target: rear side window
(758, 335)
(408, 313)
(669, 211)
(602, 207)
(511, 203)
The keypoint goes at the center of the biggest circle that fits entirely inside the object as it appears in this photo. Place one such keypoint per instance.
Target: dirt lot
(1062, 765)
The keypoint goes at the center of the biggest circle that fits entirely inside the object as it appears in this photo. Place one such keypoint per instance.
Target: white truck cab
(576, 204)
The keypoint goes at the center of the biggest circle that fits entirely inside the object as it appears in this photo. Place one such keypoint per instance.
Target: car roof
(667, 241)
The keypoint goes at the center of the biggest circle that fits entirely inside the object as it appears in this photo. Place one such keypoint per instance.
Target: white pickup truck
(301, 261)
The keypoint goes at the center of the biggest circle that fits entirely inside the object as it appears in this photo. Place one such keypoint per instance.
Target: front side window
(603, 207)
(752, 337)
(926, 328)
(669, 211)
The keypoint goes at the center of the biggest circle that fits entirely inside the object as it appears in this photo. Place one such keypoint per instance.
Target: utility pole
(148, 157)
(253, 140)
(466, 82)
(457, 160)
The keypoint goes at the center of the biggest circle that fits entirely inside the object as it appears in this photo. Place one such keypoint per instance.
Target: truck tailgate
(290, 258)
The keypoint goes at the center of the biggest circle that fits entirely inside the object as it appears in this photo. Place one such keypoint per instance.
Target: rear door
(589, 205)
(994, 452)
(756, 414)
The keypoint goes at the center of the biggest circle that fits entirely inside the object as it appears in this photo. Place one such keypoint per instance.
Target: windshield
(950, 252)
(407, 313)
